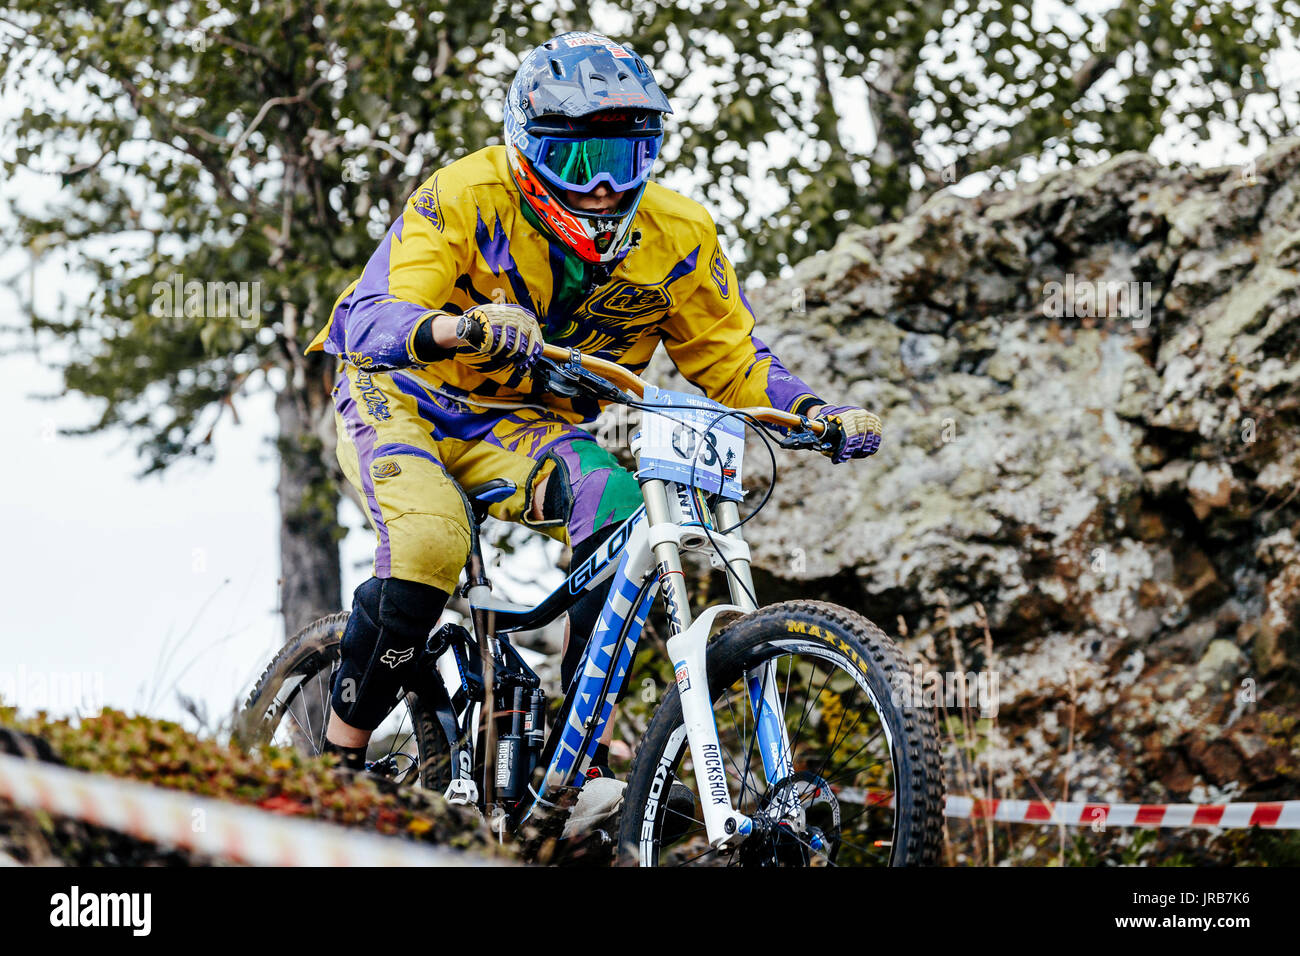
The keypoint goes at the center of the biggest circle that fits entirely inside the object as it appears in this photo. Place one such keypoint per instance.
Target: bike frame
(646, 550)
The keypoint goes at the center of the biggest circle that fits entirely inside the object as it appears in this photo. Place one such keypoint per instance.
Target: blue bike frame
(643, 552)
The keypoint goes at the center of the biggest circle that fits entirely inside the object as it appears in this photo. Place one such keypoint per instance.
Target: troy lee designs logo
(376, 401)
(718, 270)
(623, 300)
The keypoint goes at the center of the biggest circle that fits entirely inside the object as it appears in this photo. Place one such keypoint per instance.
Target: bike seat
(480, 496)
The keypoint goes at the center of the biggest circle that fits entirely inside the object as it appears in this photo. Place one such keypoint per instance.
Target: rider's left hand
(860, 431)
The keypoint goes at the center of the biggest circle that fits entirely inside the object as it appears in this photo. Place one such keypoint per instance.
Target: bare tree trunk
(310, 584)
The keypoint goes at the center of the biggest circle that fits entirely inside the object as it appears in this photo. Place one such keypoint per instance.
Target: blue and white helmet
(584, 111)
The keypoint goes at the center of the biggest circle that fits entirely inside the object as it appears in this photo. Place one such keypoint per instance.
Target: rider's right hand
(500, 330)
(857, 434)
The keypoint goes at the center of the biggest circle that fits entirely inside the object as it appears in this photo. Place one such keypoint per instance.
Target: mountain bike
(783, 725)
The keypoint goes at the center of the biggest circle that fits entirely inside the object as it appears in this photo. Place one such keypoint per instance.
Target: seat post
(477, 587)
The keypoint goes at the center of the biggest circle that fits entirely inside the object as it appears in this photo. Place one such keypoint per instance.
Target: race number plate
(675, 439)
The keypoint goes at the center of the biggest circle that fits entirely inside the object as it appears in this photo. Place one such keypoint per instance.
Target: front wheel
(861, 783)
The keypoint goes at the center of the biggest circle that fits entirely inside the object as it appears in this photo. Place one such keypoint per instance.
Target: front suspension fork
(687, 649)
(760, 681)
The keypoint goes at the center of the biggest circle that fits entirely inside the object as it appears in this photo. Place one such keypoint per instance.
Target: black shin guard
(385, 635)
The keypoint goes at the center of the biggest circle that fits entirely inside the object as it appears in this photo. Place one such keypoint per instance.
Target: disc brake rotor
(801, 825)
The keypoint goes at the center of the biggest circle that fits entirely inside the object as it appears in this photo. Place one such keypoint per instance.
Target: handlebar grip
(467, 330)
(832, 434)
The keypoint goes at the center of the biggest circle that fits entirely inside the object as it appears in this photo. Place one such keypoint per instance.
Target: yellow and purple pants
(406, 446)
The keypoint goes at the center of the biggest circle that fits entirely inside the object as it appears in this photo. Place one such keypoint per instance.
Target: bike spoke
(869, 741)
(807, 709)
(811, 849)
(289, 710)
(732, 712)
(324, 698)
(831, 738)
(835, 744)
(749, 755)
(745, 786)
(699, 856)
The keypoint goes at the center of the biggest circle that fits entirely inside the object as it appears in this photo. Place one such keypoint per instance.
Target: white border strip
(241, 834)
(1275, 815)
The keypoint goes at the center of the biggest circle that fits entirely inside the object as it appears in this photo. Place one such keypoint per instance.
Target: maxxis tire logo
(795, 626)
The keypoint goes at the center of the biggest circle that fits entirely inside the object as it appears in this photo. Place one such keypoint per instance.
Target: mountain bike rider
(556, 236)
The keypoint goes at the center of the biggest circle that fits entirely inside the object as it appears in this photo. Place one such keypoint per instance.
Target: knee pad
(391, 619)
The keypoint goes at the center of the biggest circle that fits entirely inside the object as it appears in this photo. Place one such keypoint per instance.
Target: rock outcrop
(1091, 391)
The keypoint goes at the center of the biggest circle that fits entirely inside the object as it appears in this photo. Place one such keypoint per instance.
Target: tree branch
(298, 97)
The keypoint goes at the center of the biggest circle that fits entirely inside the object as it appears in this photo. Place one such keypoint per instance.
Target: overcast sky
(150, 587)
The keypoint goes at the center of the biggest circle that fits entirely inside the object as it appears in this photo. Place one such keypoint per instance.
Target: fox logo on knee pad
(396, 659)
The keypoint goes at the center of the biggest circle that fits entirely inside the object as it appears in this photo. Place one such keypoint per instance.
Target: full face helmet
(583, 111)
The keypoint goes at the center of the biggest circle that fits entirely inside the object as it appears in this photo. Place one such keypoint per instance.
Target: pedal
(462, 793)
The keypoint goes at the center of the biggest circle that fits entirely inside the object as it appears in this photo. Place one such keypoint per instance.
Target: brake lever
(805, 437)
(571, 380)
(549, 377)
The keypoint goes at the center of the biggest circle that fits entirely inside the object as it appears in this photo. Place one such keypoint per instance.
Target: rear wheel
(289, 707)
(861, 784)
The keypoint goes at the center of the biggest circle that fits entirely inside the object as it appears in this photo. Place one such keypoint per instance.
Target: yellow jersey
(463, 240)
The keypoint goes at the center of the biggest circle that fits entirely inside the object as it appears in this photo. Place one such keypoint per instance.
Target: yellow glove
(860, 432)
(506, 333)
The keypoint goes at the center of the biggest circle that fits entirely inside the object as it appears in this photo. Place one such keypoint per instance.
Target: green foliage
(1270, 847)
(951, 88)
(266, 143)
(285, 781)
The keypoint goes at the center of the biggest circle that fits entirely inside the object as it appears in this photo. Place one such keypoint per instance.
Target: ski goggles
(581, 165)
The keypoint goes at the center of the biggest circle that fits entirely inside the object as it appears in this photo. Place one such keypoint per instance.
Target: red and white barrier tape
(204, 825)
(1281, 815)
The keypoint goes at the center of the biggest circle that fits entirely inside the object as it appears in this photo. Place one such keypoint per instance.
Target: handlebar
(574, 372)
(631, 382)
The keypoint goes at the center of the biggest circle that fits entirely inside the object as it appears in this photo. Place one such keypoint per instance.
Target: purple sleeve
(371, 327)
(783, 388)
